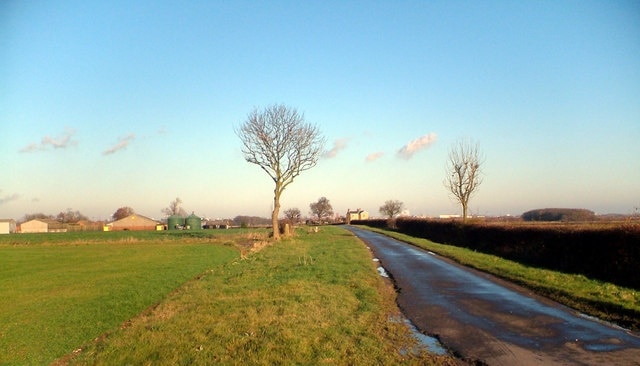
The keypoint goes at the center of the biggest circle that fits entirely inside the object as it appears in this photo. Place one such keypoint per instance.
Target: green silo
(175, 222)
(193, 222)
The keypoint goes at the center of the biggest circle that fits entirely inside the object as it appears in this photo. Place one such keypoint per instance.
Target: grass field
(60, 290)
(139, 298)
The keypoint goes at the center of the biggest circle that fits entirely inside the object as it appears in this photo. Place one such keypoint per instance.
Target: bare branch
(463, 174)
(322, 209)
(391, 208)
(283, 144)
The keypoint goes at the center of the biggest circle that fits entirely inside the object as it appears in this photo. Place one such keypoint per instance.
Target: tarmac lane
(485, 320)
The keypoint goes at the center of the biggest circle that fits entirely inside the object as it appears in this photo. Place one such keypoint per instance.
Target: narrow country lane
(483, 319)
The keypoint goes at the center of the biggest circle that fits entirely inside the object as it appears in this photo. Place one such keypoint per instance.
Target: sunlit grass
(193, 298)
(314, 299)
(56, 297)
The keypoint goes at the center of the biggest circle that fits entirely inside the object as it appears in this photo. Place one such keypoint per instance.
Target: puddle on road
(432, 344)
(381, 269)
(382, 272)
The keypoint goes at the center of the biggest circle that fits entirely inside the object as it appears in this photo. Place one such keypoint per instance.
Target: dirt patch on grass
(252, 243)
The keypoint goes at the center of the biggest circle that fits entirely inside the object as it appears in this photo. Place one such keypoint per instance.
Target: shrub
(559, 214)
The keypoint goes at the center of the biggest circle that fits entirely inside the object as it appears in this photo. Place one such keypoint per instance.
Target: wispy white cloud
(57, 143)
(412, 147)
(47, 142)
(339, 144)
(374, 156)
(8, 198)
(31, 148)
(123, 142)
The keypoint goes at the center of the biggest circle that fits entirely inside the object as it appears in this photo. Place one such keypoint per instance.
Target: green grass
(601, 299)
(61, 290)
(314, 299)
(189, 298)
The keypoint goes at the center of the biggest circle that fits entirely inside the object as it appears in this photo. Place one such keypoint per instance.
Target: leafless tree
(175, 208)
(70, 216)
(321, 209)
(293, 214)
(463, 174)
(122, 212)
(283, 144)
(40, 215)
(391, 208)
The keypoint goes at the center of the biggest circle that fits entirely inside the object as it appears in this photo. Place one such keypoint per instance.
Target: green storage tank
(175, 222)
(193, 222)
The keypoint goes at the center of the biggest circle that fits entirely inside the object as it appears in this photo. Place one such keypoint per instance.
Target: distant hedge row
(609, 254)
(559, 214)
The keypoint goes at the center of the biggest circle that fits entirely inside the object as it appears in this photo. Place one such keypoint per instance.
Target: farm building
(42, 226)
(217, 224)
(358, 214)
(85, 225)
(134, 222)
(7, 226)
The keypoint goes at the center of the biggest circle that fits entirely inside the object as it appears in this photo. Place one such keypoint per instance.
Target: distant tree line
(68, 217)
(559, 214)
(250, 221)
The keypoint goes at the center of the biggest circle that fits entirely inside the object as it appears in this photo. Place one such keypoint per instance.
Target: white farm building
(7, 226)
(358, 214)
(42, 226)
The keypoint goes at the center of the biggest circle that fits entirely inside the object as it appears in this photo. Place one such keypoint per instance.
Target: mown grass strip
(313, 299)
(59, 291)
(600, 299)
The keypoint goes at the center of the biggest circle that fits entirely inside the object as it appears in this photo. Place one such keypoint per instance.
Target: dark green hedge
(609, 254)
(559, 214)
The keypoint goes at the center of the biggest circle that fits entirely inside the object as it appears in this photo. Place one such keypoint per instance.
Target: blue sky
(121, 103)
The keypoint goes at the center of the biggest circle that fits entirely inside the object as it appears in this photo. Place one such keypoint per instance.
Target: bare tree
(283, 144)
(463, 174)
(293, 214)
(122, 212)
(70, 216)
(175, 208)
(40, 215)
(321, 209)
(391, 208)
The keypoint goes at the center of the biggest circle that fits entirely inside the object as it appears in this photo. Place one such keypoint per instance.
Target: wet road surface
(483, 319)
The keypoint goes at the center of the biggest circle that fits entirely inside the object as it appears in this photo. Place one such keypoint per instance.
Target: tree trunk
(274, 215)
(464, 212)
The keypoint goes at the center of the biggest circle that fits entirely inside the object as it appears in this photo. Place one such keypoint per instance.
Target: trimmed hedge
(609, 254)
